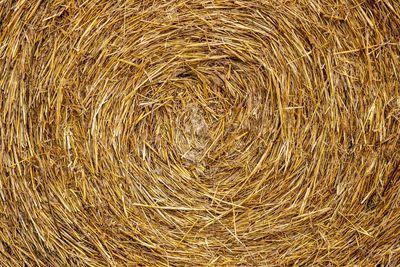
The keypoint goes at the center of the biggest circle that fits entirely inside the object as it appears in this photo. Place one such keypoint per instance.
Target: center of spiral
(194, 135)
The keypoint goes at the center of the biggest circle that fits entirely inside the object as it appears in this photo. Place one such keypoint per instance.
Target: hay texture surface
(199, 133)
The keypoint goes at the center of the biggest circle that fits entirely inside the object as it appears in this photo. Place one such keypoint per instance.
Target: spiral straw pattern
(200, 133)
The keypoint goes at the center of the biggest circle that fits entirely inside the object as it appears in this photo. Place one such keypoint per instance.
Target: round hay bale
(199, 133)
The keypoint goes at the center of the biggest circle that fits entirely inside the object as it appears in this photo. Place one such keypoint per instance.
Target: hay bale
(198, 133)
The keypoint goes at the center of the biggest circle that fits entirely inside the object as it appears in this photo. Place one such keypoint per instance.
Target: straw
(200, 133)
